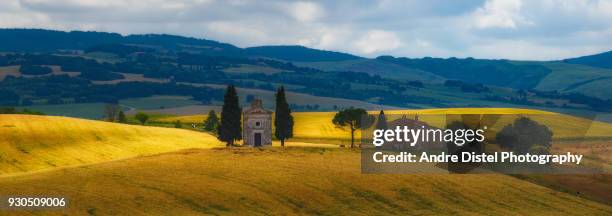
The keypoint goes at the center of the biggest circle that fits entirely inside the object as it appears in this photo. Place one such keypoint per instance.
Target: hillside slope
(298, 53)
(603, 60)
(577, 78)
(376, 67)
(284, 182)
(29, 143)
(29, 40)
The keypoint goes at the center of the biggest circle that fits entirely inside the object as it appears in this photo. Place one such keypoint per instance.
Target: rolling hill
(298, 53)
(152, 170)
(29, 40)
(283, 182)
(577, 78)
(597, 60)
(106, 67)
(375, 67)
(560, 76)
(29, 143)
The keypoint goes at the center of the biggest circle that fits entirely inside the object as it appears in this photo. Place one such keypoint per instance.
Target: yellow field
(30, 143)
(282, 182)
(109, 168)
(318, 126)
(58, 141)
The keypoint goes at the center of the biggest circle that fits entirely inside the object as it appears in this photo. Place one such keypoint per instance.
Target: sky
(492, 29)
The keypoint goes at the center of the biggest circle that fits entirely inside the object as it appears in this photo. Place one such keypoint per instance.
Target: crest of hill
(375, 67)
(299, 53)
(587, 75)
(490, 72)
(603, 60)
(30, 40)
(29, 143)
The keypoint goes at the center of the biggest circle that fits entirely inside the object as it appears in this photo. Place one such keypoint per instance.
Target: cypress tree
(382, 121)
(212, 122)
(230, 129)
(283, 121)
(178, 124)
(121, 117)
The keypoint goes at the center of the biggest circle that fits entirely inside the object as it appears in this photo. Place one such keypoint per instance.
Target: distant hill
(567, 77)
(318, 69)
(603, 60)
(40, 40)
(489, 72)
(299, 53)
(375, 67)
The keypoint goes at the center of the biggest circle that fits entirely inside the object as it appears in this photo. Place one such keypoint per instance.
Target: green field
(252, 69)
(563, 77)
(578, 78)
(158, 102)
(325, 103)
(373, 66)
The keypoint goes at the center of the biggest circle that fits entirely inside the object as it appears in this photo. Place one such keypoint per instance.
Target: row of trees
(113, 113)
(12, 110)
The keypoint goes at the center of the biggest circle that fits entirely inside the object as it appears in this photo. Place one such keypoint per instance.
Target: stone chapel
(257, 125)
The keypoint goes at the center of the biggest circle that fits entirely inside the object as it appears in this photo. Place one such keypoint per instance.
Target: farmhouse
(257, 125)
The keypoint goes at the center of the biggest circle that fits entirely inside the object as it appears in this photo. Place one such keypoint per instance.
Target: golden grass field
(30, 143)
(283, 181)
(318, 126)
(110, 168)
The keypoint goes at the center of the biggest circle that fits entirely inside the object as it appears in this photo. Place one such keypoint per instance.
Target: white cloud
(306, 11)
(377, 41)
(514, 29)
(121, 5)
(500, 14)
(525, 50)
(323, 37)
(16, 20)
(237, 30)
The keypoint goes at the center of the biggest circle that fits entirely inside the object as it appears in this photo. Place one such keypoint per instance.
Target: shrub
(523, 134)
(34, 70)
(142, 117)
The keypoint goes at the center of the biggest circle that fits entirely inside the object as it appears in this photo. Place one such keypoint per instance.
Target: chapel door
(257, 139)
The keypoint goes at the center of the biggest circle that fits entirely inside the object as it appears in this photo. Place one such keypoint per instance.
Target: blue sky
(511, 29)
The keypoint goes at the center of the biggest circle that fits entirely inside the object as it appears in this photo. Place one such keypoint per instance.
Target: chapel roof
(256, 108)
